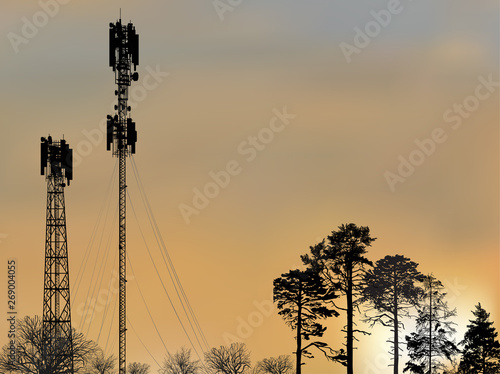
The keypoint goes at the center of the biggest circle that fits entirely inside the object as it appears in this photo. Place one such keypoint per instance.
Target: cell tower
(121, 139)
(57, 340)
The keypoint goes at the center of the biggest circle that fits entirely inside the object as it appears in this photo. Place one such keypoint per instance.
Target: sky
(309, 114)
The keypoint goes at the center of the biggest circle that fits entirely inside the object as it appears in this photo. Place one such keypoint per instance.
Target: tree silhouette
(29, 350)
(138, 368)
(433, 337)
(481, 353)
(342, 265)
(302, 299)
(234, 359)
(100, 364)
(179, 363)
(275, 365)
(390, 292)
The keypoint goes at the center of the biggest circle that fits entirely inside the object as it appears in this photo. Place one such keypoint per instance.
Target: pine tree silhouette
(433, 339)
(390, 293)
(343, 265)
(481, 353)
(302, 299)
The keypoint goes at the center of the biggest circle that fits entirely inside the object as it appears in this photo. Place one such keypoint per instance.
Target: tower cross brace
(57, 338)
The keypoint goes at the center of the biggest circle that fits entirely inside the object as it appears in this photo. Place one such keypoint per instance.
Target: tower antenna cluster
(57, 166)
(121, 140)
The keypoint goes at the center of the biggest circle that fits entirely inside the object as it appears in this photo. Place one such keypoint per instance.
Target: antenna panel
(44, 154)
(112, 46)
(109, 133)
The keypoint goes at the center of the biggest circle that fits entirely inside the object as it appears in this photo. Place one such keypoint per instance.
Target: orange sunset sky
(211, 79)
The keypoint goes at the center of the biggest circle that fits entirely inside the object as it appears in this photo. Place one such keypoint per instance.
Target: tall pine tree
(390, 292)
(302, 299)
(433, 339)
(342, 265)
(481, 353)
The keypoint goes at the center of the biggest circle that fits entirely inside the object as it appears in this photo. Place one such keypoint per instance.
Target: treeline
(383, 293)
(88, 358)
(336, 281)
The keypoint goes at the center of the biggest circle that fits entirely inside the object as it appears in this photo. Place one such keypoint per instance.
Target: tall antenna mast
(121, 139)
(57, 339)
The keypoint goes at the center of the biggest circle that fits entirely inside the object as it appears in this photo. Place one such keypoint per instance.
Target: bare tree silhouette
(180, 363)
(234, 359)
(137, 368)
(100, 364)
(275, 365)
(29, 357)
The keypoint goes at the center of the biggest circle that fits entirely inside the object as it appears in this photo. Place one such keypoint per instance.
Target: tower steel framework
(121, 140)
(57, 340)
